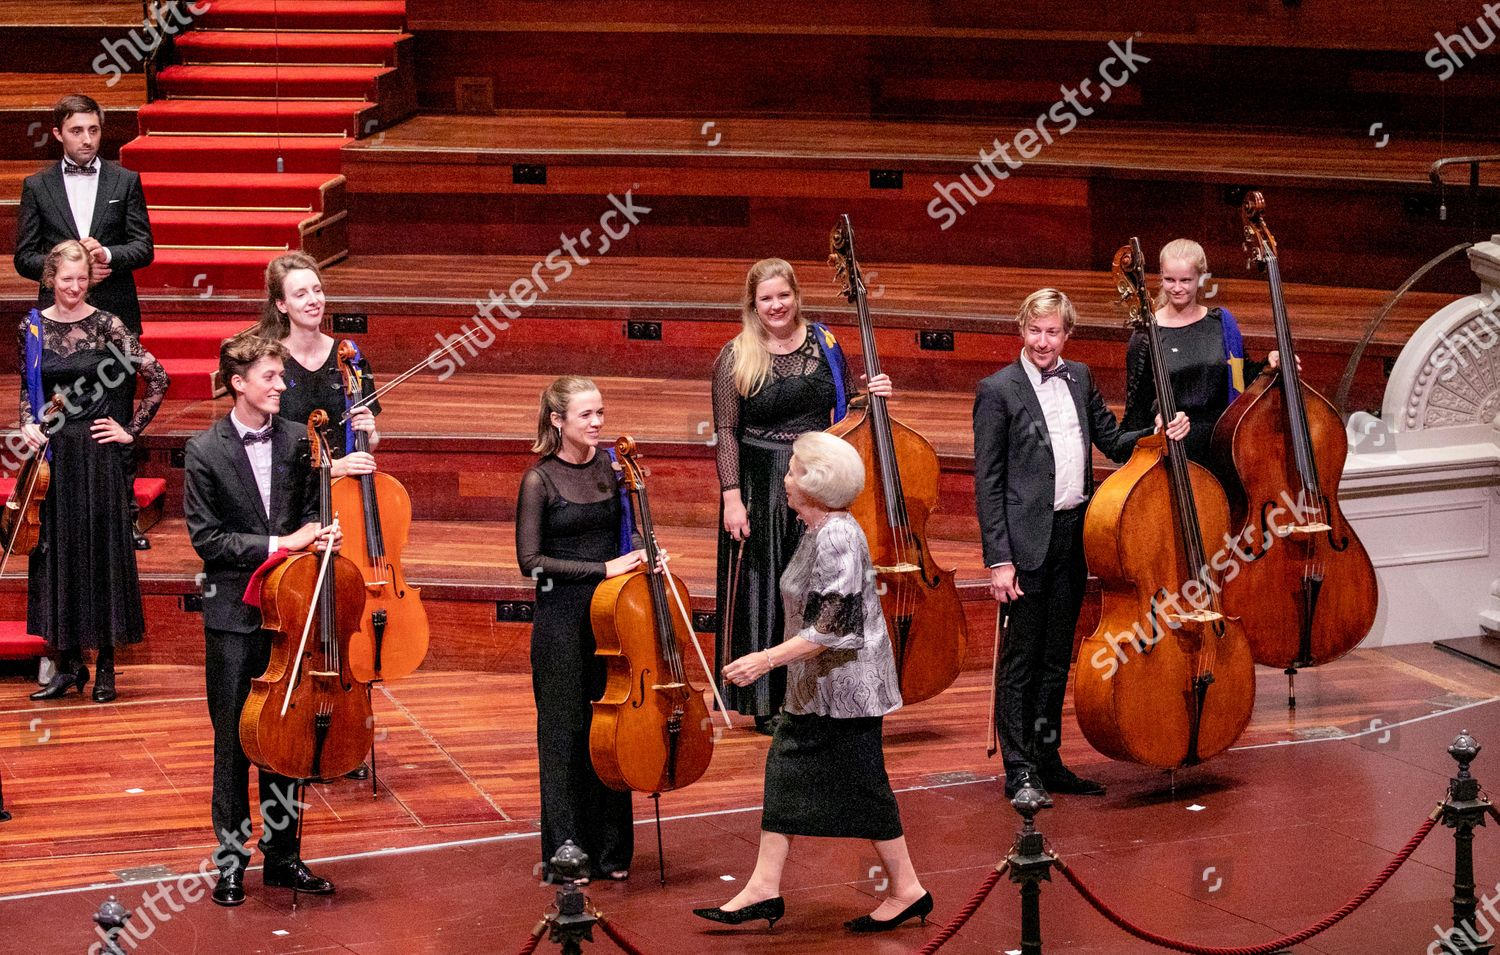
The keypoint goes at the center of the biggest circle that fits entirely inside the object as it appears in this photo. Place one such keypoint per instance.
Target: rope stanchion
(616, 937)
(967, 912)
(1119, 921)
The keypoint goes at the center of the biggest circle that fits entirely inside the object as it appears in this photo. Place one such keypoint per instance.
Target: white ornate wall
(1421, 482)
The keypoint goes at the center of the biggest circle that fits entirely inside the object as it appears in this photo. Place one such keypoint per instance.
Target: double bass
(919, 599)
(1306, 588)
(307, 717)
(1166, 679)
(651, 730)
(393, 635)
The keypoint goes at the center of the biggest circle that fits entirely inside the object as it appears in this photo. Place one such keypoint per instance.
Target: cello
(1165, 685)
(919, 600)
(21, 520)
(651, 731)
(1307, 588)
(306, 716)
(393, 635)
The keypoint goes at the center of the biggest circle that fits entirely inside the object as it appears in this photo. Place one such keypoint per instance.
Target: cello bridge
(668, 686)
(1308, 529)
(902, 568)
(1194, 616)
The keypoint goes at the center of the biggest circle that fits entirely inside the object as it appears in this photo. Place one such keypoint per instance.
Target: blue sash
(1234, 351)
(33, 370)
(627, 513)
(834, 355)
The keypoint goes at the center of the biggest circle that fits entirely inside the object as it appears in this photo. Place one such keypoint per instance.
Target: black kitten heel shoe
(919, 909)
(769, 909)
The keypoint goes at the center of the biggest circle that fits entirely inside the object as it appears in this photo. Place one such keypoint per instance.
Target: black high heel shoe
(62, 683)
(769, 909)
(919, 909)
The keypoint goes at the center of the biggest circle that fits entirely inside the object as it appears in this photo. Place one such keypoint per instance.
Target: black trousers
(233, 660)
(1039, 649)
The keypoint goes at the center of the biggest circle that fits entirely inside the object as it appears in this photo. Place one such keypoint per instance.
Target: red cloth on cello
(252, 589)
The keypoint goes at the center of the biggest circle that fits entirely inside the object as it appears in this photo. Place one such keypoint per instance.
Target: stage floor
(1259, 842)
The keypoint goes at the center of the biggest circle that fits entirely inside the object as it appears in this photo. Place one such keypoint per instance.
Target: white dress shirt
(1064, 433)
(83, 195)
(260, 464)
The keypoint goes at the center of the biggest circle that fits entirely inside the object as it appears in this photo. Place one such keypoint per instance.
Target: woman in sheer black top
(569, 537)
(779, 378)
(83, 590)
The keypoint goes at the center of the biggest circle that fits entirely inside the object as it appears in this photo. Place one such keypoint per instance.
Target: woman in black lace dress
(779, 378)
(569, 537)
(83, 592)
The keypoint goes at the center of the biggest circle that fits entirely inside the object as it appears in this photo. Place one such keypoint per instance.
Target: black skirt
(826, 777)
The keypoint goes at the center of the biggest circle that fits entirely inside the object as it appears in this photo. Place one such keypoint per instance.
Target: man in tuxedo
(248, 491)
(100, 204)
(1035, 422)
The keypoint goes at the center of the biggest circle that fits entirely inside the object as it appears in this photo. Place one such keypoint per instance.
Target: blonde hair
(555, 399)
(69, 250)
(1046, 301)
(832, 472)
(752, 359)
(274, 323)
(1183, 250)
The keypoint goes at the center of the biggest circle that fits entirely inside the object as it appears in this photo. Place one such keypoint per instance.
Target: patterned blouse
(829, 593)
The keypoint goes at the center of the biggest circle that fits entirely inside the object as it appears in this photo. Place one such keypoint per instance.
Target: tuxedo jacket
(1014, 475)
(120, 223)
(228, 526)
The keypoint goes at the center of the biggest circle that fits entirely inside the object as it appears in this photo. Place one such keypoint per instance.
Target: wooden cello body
(651, 730)
(923, 615)
(21, 519)
(307, 717)
(1306, 587)
(1166, 678)
(393, 633)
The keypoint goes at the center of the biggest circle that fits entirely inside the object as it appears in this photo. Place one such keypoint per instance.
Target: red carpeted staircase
(240, 155)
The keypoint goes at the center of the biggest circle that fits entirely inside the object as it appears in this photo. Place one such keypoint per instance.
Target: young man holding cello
(1035, 422)
(248, 492)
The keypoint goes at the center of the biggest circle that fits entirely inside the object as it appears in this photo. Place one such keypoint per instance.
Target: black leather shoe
(104, 684)
(141, 543)
(62, 683)
(919, 909)
(1021, 781)
(769, 909)
(362, 771)
(295, 875)
(1064, 780)
(231, 888)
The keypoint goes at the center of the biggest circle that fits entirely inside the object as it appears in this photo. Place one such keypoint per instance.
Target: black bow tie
(257, 437)
(1056, 371)
(73, 169)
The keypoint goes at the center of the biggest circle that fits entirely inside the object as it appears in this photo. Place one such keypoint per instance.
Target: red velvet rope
(617, 938)
(1493, 811)
(1268, 947)
(534, 940)
(967, 912)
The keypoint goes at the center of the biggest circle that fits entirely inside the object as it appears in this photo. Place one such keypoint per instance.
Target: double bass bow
(651, 732)
(919, 600)
(393, 634)
(1166, 678)
(307, 717)
(1307, 589)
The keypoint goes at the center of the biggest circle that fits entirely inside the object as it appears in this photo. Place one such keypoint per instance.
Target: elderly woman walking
(825, 773)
